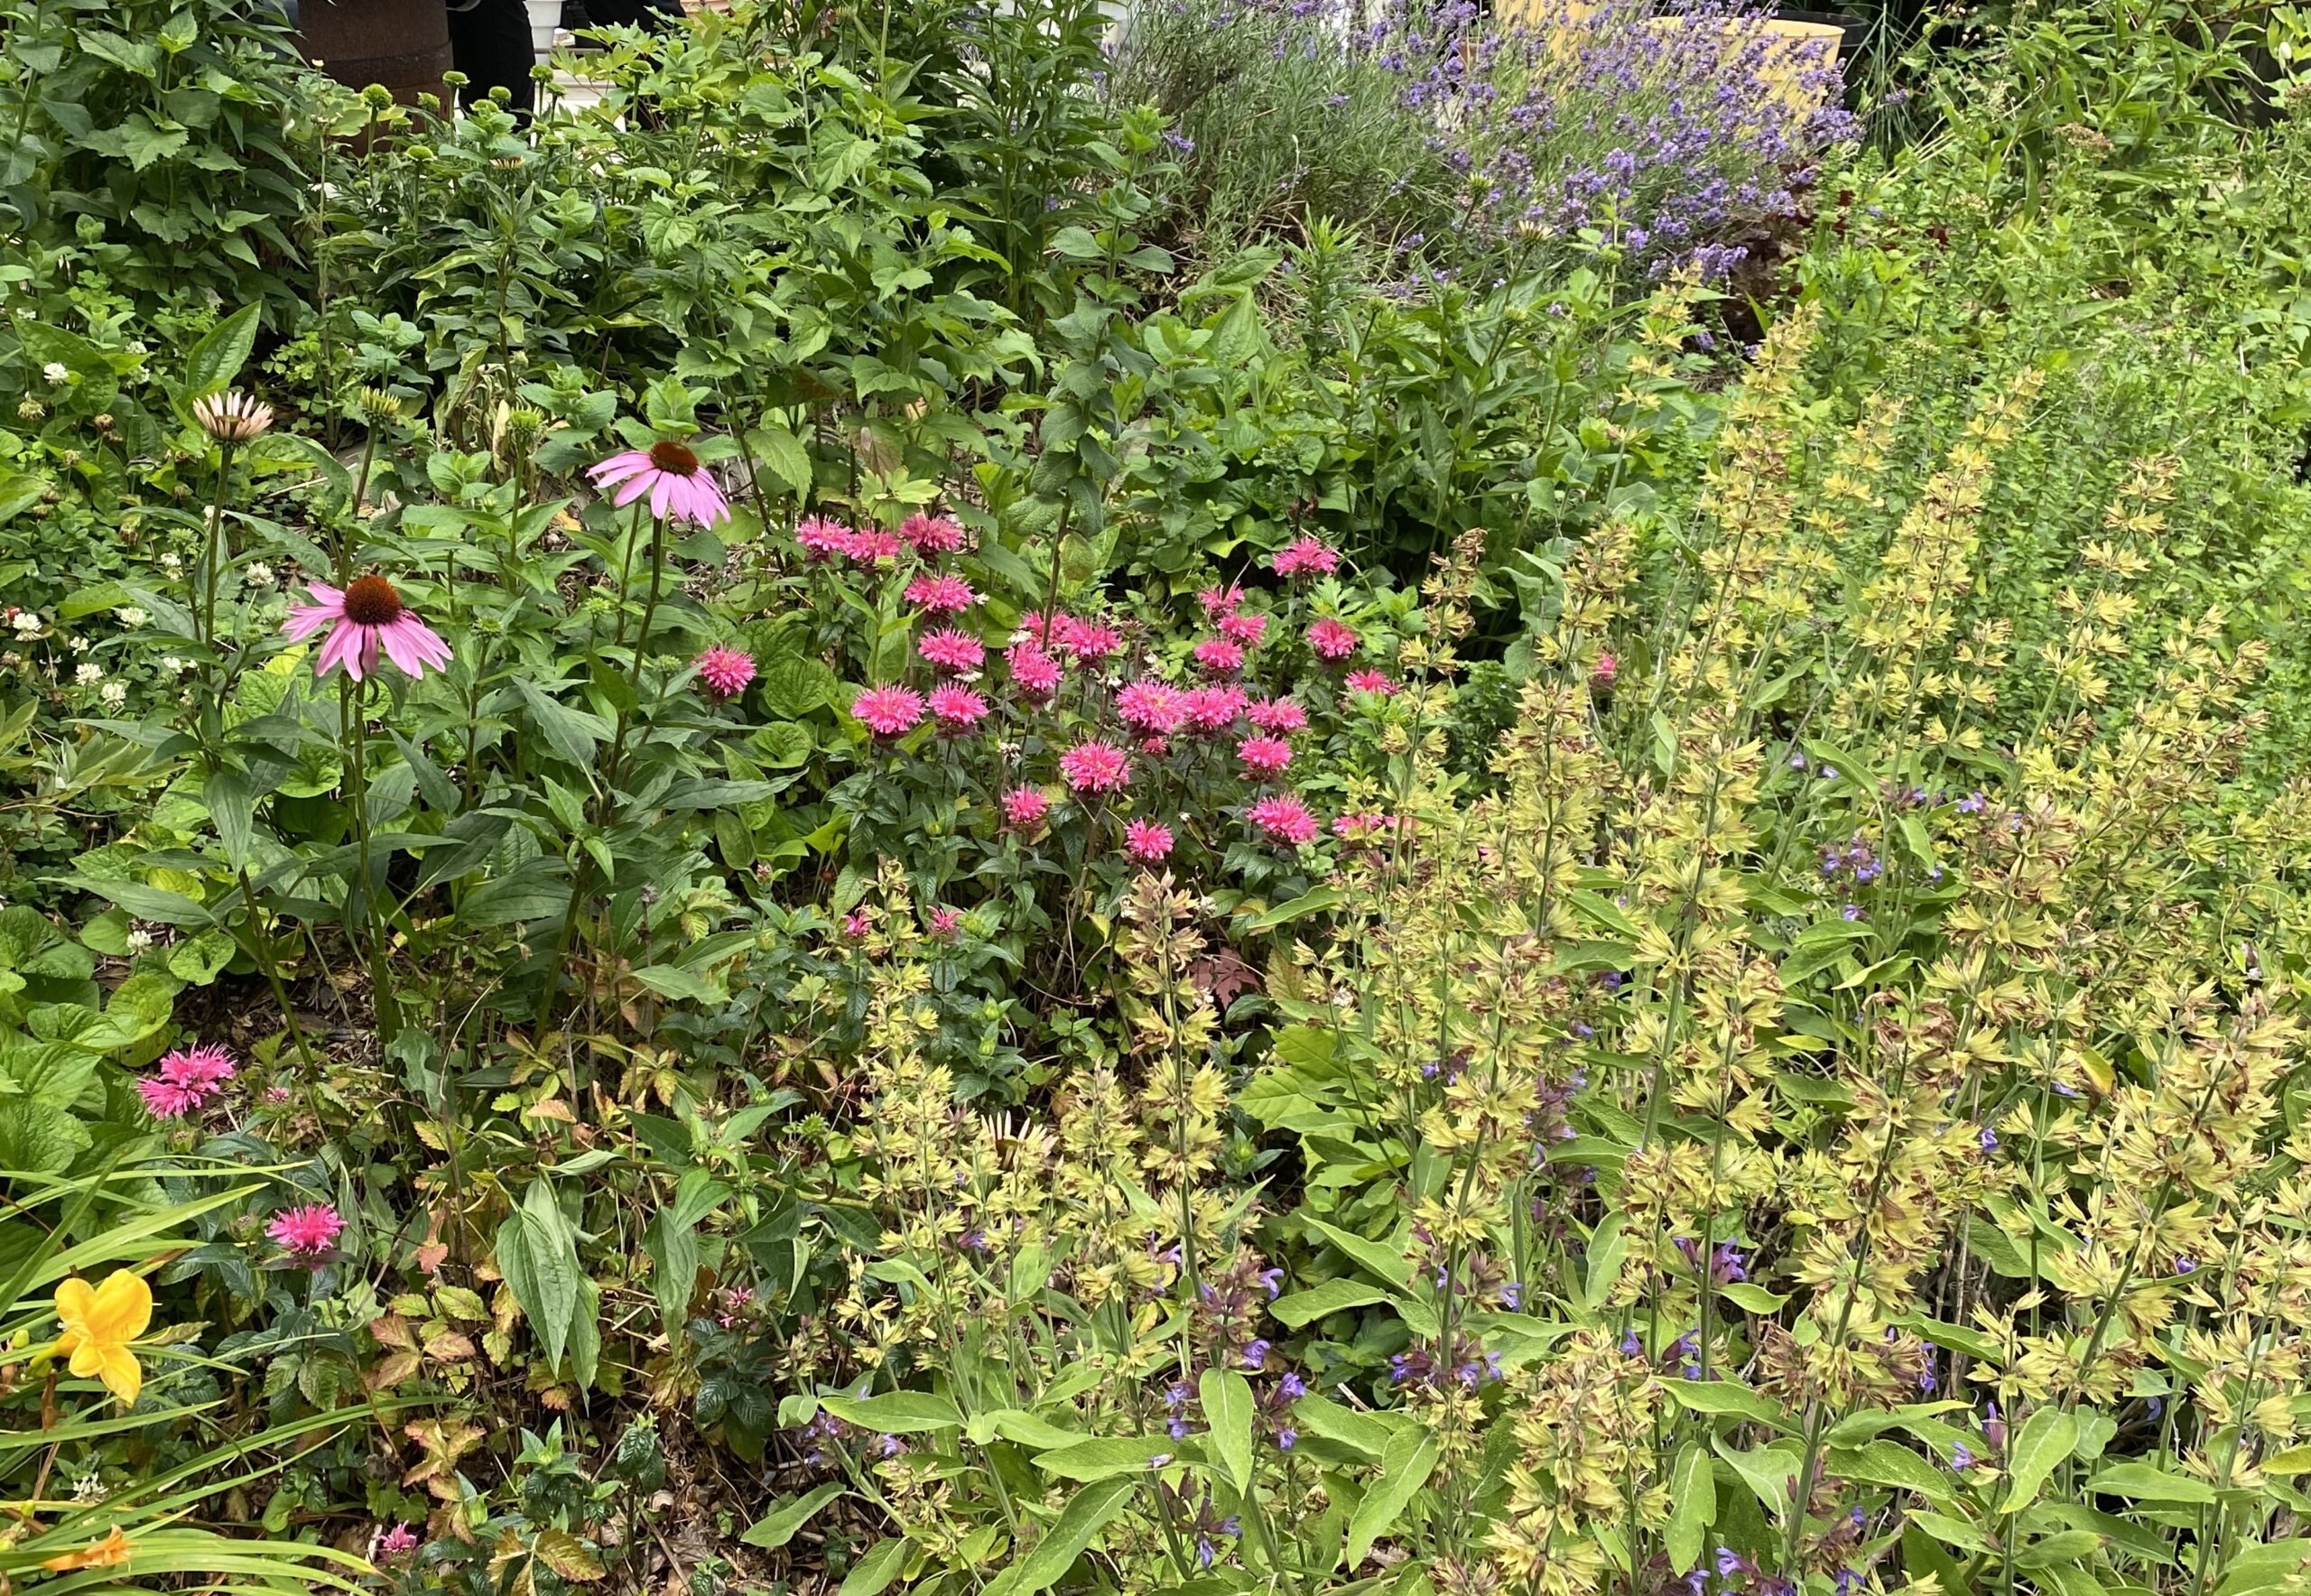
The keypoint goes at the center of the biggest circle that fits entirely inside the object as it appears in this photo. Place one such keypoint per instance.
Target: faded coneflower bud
(232, 416)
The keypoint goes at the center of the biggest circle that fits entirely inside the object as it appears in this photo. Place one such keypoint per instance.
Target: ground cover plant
(761, 838)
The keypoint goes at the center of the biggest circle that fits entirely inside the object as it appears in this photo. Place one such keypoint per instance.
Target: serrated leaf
(568, 1556)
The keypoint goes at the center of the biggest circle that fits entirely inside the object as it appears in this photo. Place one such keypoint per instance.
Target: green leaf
(2046, 1438)
(574, 734)
(1756, 1299)
(778, 1528)
(1718, 1397)
(1110, 1456)
(1308, 903)
(218, 358)
(1890, 1463)
(1303, 1307)
(1692, 1505)
(1227, 1409)
(668, 981)
(1321, 1415)
(1385, 1264)
(2150, 1483)
(872, 1574)
(537, 1253)
(1404, 1467)
(896, 1412)
(794, 686)
(37, 1137)
(782, 453)
(1068, 1539)
(1769, 1471)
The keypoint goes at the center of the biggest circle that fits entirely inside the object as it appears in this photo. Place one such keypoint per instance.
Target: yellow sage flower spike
(100, 1322)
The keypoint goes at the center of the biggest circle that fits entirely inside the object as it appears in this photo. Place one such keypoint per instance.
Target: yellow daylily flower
(100, 1322)
(108, 1553)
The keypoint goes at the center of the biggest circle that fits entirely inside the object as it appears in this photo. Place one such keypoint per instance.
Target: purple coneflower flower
(679, 486)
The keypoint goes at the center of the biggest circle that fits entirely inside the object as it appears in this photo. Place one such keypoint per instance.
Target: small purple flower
(1274, 1280)
(1851, 912)
(2186, 1265)
(1512, 1296)
(1989, 1139)
(1630, 1346)
(1292, 1387)
(1256, 1354)
(1286, 1438)
(1177, 1429)
(1961, 1458)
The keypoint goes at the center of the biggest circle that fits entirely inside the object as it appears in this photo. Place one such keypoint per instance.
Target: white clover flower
(136, 346)
(114, 694)
(132, 617)
(174, 666)
(89, 673)
(79, 645)
(139, 941)
(260, 574)
(27, 623)
(172, 562)
(57, 373)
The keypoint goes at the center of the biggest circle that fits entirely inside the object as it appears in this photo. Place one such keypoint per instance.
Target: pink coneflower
(1146, 842)
(956, 708)
(1219, 601)
(369, 616)
(1265, 756)
(874, 545)
(1284, 819)
(1245, 627)
(726, 671)
(1213, 710)
(952, 651)
(1033, 671)
(1278, 717)
(931, 534)
(1334, 640)
(1023, 808)
(679, 486)
(945, 922)
(1377, 682)
(941, 595)
(1601, 674)
(1150, 707)
(822, 539)
(393, 1541)
(1304, 556)
(1219, 657)
(1095, 767)
(306, 1231)
(1087, 642)
(888, 712)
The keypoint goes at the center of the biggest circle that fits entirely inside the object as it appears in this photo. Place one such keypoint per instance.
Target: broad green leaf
(1890, 1463)
(1228, 1410)
(2046, 1438)
(871, 1575)
(1313, 901)
(218, 358)
(1727, 1396)
(896, 1412)
(1404, 1467)
(1769, 1471)
(537, 1254)
(1385, 1264)
(2150, 1483)
(1304, 1307)
(1321, 1415)
(1692, 1505)
(1109, 1456)
(574, 734)
(779, 1526)
(1068, 1539)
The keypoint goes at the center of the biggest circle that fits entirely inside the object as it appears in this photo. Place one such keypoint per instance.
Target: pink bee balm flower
(679, 486)
(1278, 717)
(941, 595)
(1150, 707)
(393, 1541)
(888, 712)
(1023, 808)
(1284, 819)
(307, 1232)
(868, 547)
(201, 1069)
(1334, 640)
(1146, 842)
(726, 671)
(1219, 601)
(1265, 756)
(1033, 671)
(931, 534)
(1213, 709)
(1095, 767)
(1033, 628)
(823, 539)
(166, 1100)
(369, 616)
(1083, 641)
(1304, 556)
(857, 922)
(1154, 747)
(945, 922)
(1601, 674)
(957, 709)
(952, 651)
(1246, 628)
(1369, 681)
(1219, 657)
